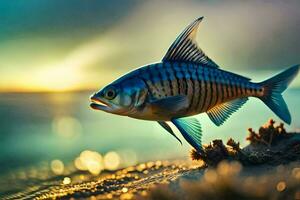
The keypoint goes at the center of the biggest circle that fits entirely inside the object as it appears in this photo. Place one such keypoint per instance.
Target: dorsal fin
(185, 47)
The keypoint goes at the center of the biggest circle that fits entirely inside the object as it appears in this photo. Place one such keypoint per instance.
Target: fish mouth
(98, 104)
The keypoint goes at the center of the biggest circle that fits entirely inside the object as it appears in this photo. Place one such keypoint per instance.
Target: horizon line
(68, 91)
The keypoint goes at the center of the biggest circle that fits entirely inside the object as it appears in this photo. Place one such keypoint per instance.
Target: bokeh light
(296, 172)
(94, 163)
(66, 126)
(111, 160)
(128, 157)
(281, 186)
(91, 161)
(57, 167)
(67, 180)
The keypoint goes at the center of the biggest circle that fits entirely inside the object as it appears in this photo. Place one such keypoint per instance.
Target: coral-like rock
(271, 145)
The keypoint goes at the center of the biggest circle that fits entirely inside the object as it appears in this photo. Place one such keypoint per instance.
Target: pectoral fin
(168, 128)
(190, 129)
(171, 105)
(219, 114)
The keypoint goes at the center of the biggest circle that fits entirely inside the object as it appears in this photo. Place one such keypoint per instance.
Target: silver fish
(186, 82)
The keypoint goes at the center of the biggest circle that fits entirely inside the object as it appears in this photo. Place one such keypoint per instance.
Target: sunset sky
(59, 45)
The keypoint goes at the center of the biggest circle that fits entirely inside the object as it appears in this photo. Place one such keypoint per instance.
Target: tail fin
(273, 88)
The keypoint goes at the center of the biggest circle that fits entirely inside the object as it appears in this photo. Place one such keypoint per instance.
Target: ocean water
(39, 127)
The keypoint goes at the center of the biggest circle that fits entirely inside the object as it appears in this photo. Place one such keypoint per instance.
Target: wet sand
(169, 180)
(124, 183)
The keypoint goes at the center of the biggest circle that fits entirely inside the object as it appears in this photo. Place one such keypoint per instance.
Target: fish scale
(205, 88)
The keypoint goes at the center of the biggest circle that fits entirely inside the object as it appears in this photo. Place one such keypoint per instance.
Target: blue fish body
(202, 87)
(185, 83)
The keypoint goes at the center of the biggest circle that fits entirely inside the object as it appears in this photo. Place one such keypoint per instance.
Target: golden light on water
(111, 160)
(124, 189)
(57, 167)
(78, 164)
(91, 161)
(67, 180)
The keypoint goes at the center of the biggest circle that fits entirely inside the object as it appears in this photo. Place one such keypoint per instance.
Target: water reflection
(60, 126)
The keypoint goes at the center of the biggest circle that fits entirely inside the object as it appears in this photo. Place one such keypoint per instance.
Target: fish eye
(110, 94)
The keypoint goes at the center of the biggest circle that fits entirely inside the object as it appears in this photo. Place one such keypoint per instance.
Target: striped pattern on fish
(204, 87)
(187, 82)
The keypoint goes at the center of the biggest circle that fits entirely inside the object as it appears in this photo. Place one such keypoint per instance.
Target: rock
(271, 145)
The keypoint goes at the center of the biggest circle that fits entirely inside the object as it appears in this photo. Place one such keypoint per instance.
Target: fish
(185, 83)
